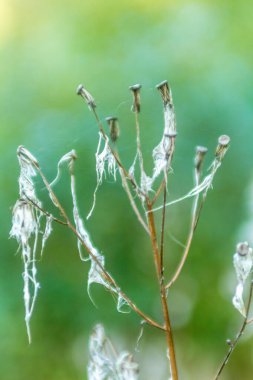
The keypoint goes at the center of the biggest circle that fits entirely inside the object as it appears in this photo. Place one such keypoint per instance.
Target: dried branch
(107, 276)
(157, 260)
(233, 344)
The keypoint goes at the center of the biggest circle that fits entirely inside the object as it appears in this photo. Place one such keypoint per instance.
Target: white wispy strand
(203, 187)
(95, 273)
(105, 363)
(25, 226)
(80, 226)
(103, 158)
(131, 170)
(47, 232)
(243, 263)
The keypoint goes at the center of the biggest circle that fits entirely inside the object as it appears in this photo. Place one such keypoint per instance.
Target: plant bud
(222, 147)
(136, 107)
(114, 127)
(165, 92)
(86, 96)
(199, 157)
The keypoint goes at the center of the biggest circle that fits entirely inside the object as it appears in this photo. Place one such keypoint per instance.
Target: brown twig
(46, 212)
(157, 260)
(132, 202)
(162, 233)
(232, 344)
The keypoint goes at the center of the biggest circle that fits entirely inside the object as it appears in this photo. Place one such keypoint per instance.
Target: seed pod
(165, 92)
(199, 157)
(222, 147)
(114, 127)
(86, 96)
(243, 248)
(136, 107)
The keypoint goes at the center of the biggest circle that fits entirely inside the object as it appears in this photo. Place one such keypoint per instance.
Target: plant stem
(195, 216)
(238, 335)
(162, 233)
(46, 212)
(131, 200)
(157, 259)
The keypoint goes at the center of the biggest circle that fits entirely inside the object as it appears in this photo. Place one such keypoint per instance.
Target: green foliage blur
(204, 49)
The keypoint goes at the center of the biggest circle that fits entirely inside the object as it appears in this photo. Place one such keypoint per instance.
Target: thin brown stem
(138, 141)
(162, 232)
(46, 212)
(195, 215)
(233, 344)
(132, 202)
(157, 260)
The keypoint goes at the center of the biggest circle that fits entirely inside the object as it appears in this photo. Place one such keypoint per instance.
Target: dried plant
(144, 192)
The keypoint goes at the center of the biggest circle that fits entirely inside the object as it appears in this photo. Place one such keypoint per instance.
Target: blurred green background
(204, 49)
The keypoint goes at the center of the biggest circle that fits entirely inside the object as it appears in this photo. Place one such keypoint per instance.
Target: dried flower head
(243, 249)
(201, 151)
(136, 88)
(114, 127)
(222, 147)
(165, 92)
(86, 96)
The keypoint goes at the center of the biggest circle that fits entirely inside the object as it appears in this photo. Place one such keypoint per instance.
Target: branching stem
(233, 344)
(106, 275)
(157, 260)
